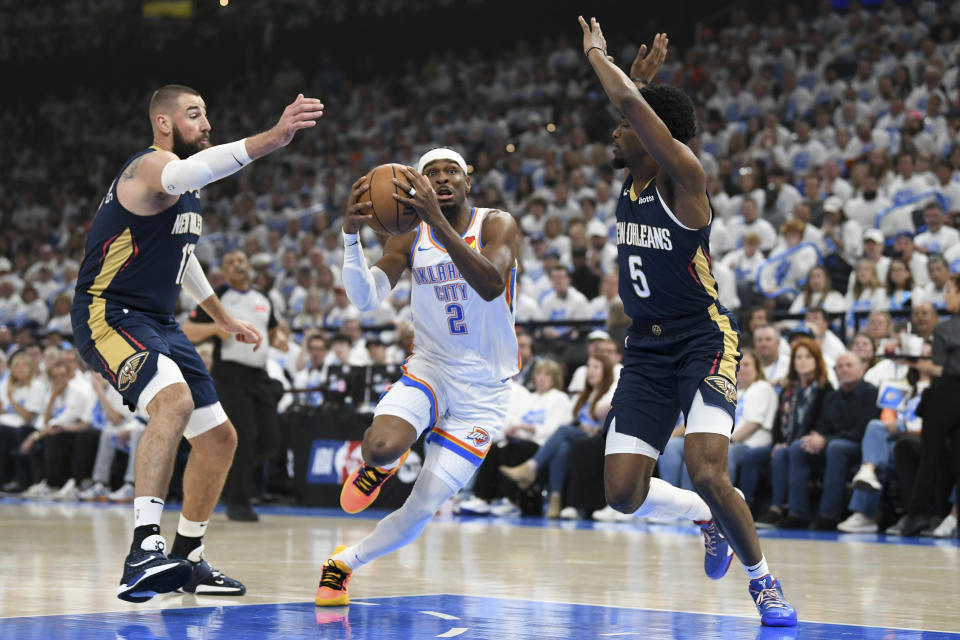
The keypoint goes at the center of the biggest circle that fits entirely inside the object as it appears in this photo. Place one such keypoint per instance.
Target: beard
(869, 195)
(184, 148)
(617, 162)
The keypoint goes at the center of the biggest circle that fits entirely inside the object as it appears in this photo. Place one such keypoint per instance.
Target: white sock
(147, 511)
(192, 529)
(758, 570)
(401, 527)
(665, 500)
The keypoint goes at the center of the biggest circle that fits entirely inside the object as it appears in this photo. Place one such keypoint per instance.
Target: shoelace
(770, 598)
(332, 576)
(710, 535)
(368, 479)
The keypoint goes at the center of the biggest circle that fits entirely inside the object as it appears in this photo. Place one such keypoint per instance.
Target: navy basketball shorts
(665, 365)
(139, 354)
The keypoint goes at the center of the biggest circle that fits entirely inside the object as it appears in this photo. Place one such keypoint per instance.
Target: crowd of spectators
(832, 147)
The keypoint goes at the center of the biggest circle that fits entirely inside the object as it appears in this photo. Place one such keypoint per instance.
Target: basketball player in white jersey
(464, 263)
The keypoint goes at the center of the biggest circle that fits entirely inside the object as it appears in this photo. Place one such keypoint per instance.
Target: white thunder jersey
(453, 326)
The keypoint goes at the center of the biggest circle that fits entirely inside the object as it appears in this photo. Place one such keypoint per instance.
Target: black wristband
(587, 52)
(641, 80)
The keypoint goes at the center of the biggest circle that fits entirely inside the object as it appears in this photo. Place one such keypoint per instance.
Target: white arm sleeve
(365, 287)
(204, 167)
(195, 282)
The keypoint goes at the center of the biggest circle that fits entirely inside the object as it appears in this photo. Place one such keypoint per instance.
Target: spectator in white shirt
(782, 197)
(817, 321)
(750, 222)
(917, 262)
(864, 208)
(773, 360)
(938, 237)
(899, 285)
(601, 255)
(609, 291)
(804, 154)
(817, 292)
(905, 185)
(933, 292)
(840, 236)
(946, 186)
(931, 86)
(752, 437)
(865, 292)
(313, 369)
(563, 302)
(21, 401)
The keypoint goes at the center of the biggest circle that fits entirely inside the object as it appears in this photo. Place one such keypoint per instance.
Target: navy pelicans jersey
(453, 326)
(664, 266)
(137, 262)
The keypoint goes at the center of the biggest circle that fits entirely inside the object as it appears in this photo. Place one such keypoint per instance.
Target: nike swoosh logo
(137, 564)
(235, 159)
(423, 248)
(155, 501)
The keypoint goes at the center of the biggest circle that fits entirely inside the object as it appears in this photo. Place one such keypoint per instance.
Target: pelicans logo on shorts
(479, 437)
(129, 370)
(724, 387)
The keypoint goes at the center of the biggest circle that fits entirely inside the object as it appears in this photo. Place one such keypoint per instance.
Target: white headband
(441, 154)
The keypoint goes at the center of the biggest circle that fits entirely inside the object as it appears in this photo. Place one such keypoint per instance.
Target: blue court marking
(433, 616)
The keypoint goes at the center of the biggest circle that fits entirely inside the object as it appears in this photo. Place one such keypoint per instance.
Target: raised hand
(646, 65)
(358, 213)
(302, 113)
(593, 37)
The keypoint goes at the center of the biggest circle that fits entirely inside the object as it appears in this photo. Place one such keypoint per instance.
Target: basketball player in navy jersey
(138, 256)
(682, 350)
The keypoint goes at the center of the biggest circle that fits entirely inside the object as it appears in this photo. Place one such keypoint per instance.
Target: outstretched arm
(673, 156)
(154, 181)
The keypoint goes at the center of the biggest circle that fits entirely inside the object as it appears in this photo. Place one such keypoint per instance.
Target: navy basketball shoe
(147, 571)
(774, 610)
(205, 580)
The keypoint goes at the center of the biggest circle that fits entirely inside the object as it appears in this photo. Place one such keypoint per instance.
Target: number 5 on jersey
(639, 280)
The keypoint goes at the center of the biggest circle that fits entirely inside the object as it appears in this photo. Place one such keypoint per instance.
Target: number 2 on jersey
(455, 319)
(187, 252)
(639, 280)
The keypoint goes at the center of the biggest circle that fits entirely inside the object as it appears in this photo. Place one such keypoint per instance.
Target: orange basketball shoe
(363, 485)
(334, 579)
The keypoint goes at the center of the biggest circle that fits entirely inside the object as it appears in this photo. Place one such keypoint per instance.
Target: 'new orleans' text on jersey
(664, 266)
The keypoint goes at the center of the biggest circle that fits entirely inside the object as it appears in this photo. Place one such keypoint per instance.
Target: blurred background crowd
(830, 136)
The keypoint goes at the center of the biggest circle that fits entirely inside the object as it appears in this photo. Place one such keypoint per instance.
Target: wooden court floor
(58, 559)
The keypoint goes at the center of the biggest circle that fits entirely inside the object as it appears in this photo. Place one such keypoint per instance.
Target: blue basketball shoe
(717, 552)
(774, 610)
(147, 571)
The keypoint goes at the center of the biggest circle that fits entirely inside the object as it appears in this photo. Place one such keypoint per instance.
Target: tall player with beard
(464, 266)
(682, 350)
(138, 255)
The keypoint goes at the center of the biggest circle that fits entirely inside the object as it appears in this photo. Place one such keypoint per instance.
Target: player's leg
(443, 474)
(213, 441)
(709, 397)
(630, 488)
(407, 410)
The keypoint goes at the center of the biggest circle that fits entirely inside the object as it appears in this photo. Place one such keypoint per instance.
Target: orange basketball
(390, 216)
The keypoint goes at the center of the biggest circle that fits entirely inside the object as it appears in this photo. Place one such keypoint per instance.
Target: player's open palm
(646, 65)
(592, 35)
(302, 113)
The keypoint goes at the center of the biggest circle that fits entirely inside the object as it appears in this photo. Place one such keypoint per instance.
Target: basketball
(389, 215)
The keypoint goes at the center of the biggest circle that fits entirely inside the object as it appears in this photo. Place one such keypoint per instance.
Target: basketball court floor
(466, 578)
